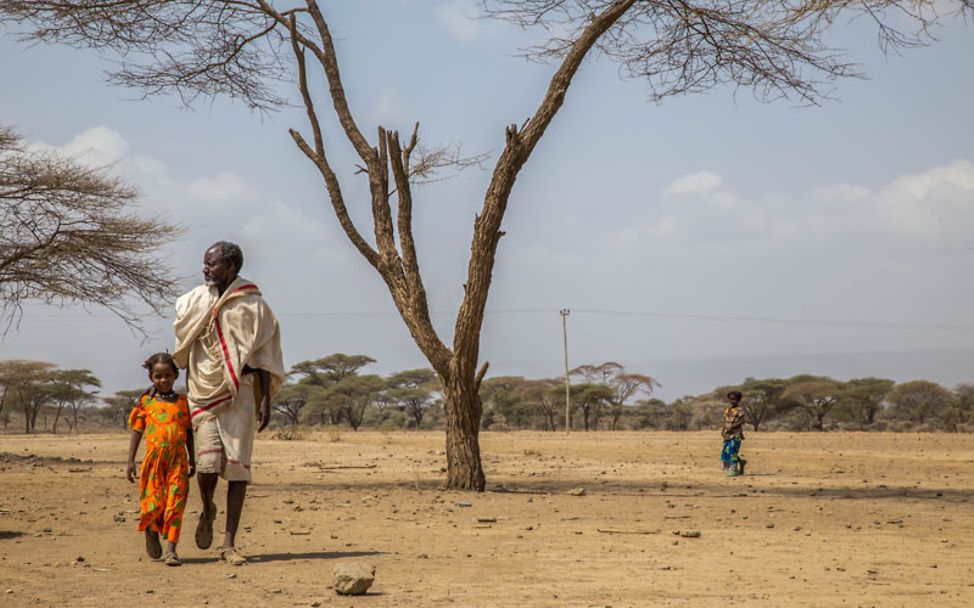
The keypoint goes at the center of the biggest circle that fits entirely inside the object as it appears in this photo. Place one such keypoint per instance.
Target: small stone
(769, 525)
(486, 520)
(464, 504)
(353, 578)
(79, 559)
(690, 534)
(231, 576)
(422, 556)
(576, 492)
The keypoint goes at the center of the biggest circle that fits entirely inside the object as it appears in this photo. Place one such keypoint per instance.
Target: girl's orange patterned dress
(164, 480)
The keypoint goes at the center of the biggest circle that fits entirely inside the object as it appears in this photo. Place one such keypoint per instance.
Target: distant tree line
(334, 390)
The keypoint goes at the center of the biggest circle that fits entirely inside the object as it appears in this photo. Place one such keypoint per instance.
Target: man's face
(217, 272)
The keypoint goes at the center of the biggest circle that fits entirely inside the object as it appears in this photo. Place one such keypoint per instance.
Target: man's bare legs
(207, 483)
(204, 529)
(236, 493)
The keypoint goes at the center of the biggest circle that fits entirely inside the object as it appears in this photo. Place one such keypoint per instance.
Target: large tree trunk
(463, 411)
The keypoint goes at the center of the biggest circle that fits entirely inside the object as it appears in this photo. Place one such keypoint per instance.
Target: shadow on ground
(674, 488)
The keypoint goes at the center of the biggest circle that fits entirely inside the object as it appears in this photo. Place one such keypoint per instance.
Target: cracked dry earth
(835, 519)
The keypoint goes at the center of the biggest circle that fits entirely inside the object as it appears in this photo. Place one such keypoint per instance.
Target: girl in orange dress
(170, 460)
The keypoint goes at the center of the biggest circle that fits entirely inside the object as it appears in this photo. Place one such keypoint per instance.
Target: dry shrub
(334, 433)
(289, 433)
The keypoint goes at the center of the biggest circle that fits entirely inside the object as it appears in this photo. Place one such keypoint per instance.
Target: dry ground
(837, 519)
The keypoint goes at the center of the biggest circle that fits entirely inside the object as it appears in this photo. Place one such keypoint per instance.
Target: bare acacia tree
(65, 236)
(244, 48)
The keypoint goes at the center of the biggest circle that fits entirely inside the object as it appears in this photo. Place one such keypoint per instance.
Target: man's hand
(264, 417)
(130, 471)
(192, 468)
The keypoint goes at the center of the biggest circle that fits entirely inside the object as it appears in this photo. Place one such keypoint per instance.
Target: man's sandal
(230, 556)
(152, 545)
(204, 528)
(172, 559)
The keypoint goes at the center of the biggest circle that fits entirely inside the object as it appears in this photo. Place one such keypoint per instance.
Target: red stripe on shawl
(226, 353)
(247, 286)
(209, 406)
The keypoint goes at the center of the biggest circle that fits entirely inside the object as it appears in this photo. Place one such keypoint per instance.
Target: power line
(840, 323)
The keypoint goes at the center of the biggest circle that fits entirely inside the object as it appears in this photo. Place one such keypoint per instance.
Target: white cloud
(701, 182)
(459, 19)
(224, 189)
(98, 146)
(932, 204)
(387, 111)
(935, 206)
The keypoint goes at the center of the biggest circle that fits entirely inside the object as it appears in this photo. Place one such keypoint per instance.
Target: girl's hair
(160, 358)
(735, 395)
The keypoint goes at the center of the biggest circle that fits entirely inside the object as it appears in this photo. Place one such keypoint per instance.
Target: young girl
(733, 434)
(169, 461)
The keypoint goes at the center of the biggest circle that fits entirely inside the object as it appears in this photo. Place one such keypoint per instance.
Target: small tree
(120, 405)
(544, 396)
(292, 399)
(863, 398)
(4, 411)
(590, 398)
(353, 395)
(29, 387)
(502, 395)
(325, 373)
(70, 390)
(624, 385)
(923, 402)
(66, 236)
(413, 390)
(763, 400)
(815, 396)
(965, 401)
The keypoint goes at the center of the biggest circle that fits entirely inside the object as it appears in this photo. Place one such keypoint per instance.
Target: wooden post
(568, 398)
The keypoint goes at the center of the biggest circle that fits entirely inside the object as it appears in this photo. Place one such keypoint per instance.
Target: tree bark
(464, 470)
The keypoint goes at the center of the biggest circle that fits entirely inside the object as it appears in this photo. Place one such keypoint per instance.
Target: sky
(701, 240)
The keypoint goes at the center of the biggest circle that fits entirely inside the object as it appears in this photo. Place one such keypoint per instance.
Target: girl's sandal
(152, 545)
(204, 529)
(230, 556)
(172, 559)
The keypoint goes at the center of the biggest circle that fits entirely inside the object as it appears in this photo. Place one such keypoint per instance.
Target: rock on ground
(353, 578)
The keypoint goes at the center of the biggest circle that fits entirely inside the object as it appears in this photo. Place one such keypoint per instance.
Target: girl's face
(163, 377)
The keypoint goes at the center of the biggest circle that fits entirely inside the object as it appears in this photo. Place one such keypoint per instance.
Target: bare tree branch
(65, 237)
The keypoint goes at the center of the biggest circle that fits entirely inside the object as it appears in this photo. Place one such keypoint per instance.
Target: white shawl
(216, 336)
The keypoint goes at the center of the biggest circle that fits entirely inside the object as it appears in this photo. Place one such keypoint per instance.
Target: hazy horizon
(856, 212)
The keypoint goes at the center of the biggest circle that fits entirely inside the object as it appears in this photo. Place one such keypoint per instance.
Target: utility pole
(568, 397)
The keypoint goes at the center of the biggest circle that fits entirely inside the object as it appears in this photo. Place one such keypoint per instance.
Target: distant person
(229, 341)
(169, 462)
(733, 434)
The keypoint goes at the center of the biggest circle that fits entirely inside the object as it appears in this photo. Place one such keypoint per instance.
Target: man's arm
(264, 411)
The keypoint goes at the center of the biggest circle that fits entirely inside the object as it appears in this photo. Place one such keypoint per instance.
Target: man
(229, 342)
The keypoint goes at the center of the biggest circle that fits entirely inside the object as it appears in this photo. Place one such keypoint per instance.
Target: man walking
(229, 342)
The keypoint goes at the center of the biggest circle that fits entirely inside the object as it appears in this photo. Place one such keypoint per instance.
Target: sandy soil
(838, 519)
